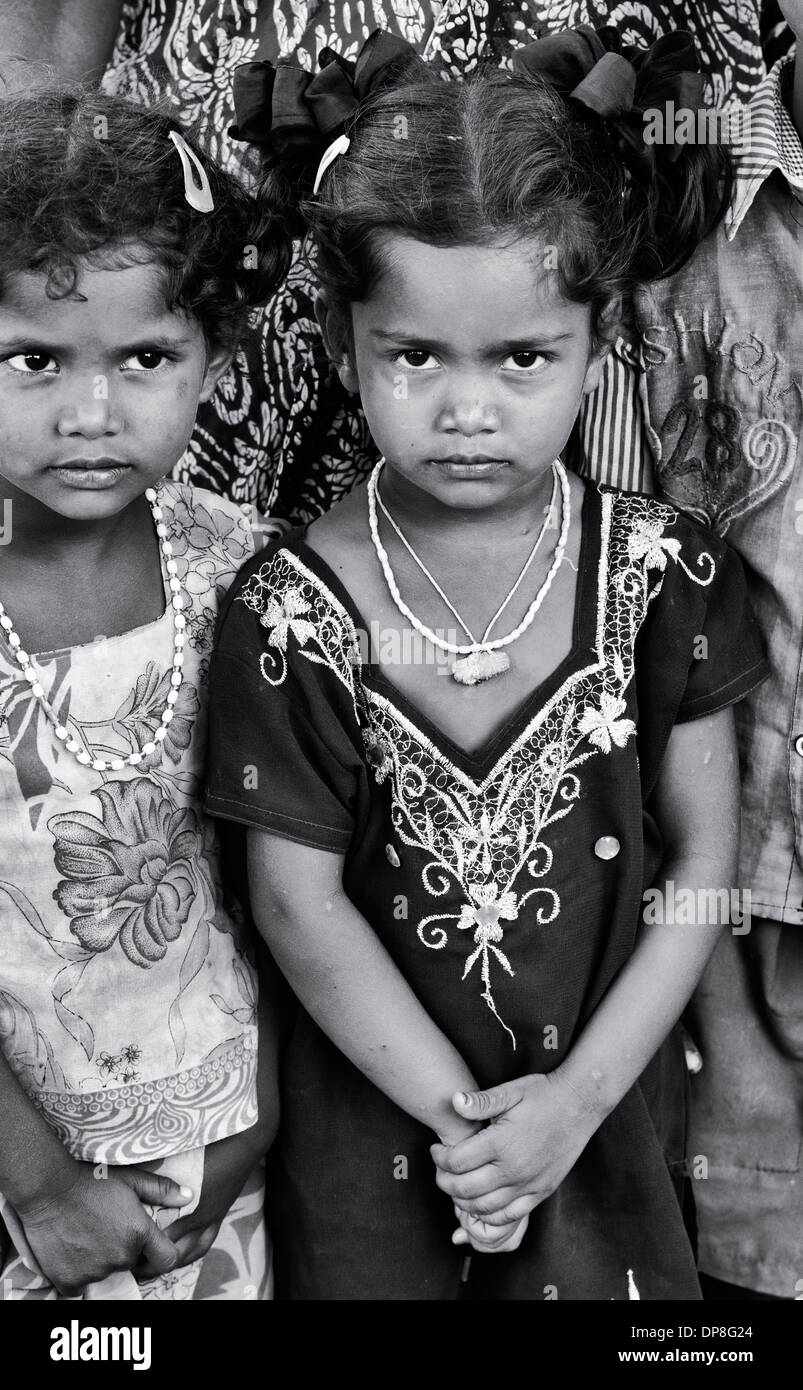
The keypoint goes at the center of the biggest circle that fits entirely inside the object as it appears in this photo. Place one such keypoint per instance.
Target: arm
(81, 1222)
(345, 979)
(75, 37)
(543, 1123)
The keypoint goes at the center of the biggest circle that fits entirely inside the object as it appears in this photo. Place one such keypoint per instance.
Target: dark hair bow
(619, 83)
(296, 114)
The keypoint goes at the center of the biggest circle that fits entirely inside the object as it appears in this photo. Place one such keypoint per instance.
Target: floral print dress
(127, 999)
(505, 884)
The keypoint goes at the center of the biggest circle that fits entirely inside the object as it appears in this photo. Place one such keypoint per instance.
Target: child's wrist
(31, 1193)
(593, 1096)
(451, 1130)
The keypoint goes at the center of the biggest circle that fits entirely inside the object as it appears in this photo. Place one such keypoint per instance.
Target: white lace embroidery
(487, 839)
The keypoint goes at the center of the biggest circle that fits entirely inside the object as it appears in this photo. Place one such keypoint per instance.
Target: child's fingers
(158, 1250)
(153, 1188)
(470, 1153)
(511, 1241)
(510, 1213)
(463, 1187)
(487, 1208)
(493, 1239)
(196, 1244)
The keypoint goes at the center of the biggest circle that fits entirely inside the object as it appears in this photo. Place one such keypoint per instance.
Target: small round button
(799, 745)
(607, 847)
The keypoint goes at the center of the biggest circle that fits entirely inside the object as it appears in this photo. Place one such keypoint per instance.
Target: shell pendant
(480, 666)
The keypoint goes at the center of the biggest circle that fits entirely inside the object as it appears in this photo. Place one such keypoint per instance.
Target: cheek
(168, 413)
(19, 426)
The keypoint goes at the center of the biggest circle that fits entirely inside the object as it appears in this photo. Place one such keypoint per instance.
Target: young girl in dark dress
(474, 712)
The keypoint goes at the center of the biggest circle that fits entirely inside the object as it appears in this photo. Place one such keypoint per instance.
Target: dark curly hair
(488, 161)
(86, 177)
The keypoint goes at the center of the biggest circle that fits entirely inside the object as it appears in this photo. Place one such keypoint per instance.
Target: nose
(88, 411)
(467, 409)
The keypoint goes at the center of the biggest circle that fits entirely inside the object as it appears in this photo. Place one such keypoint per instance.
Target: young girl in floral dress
(483, 705)
(128, 994)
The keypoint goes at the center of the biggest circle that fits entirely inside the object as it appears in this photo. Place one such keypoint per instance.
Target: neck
(519, 514)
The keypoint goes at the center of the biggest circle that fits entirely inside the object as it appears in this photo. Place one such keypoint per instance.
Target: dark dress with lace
(484, 876)
(280, 431)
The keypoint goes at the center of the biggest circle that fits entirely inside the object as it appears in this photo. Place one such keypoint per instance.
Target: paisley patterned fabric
(280, 432)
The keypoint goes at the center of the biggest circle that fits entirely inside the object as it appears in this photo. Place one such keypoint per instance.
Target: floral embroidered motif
(647, 542)
(281, 593)
(483, 913)
(484, 842)
(605, 726)
(287, 616)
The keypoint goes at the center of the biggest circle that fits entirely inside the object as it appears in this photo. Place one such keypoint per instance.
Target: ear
(608, 324)
(218, 360)
(335, 325)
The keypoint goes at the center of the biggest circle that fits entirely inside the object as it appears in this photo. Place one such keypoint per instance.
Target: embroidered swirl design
(483, 843)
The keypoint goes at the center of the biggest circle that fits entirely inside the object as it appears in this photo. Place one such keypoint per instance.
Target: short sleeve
(728, 653)
(284, 740)
(699, 648)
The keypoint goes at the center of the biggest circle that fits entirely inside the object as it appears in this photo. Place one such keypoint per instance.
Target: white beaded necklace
(479, 660)
(179, 623)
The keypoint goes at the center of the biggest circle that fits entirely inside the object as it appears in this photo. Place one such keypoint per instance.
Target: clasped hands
(538, 1127)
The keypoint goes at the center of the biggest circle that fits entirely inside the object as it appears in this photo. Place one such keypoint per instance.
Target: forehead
(105, 304)
(487, 291)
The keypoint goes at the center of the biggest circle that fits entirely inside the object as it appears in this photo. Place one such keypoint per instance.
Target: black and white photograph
(401, 671)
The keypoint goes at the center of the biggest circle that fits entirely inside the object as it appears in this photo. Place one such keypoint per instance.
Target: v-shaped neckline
(587, 599)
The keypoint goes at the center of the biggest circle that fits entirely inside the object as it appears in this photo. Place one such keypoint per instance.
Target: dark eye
(522, 361)
(415, 357)
(30, 363)
(146, 360)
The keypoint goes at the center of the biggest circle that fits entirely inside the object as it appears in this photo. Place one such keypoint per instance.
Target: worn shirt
(716, 388)
(723, 388)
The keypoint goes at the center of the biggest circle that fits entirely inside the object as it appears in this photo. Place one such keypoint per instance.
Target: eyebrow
(34, 339)
(520, 344)
(159, 340)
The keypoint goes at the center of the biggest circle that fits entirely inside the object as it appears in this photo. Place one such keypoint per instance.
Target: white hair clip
(337, 147)
(198, 194)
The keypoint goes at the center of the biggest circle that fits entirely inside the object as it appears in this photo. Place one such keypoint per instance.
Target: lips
(469, 467)
(90, 474)
(90, 464)
(467, 460)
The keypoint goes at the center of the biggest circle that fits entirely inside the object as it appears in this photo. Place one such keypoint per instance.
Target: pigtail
(292, 116)
(681, 201)
(674, 192)
(554, 151)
